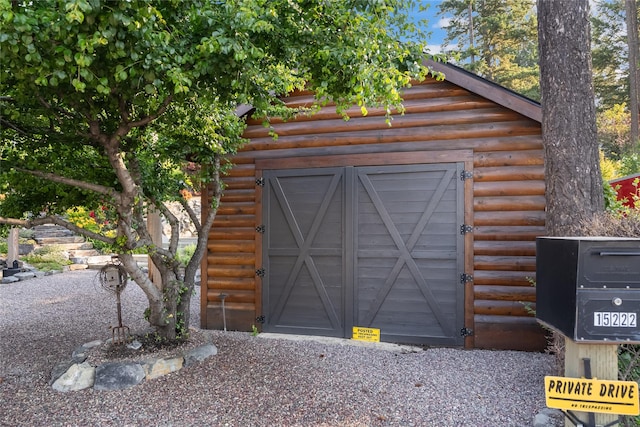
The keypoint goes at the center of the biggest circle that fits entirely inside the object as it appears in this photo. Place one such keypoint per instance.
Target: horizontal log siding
(508, 195)
(509, 203)
(231, 253)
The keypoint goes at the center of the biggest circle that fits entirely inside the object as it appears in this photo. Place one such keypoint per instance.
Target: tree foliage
(613, 131)
(105, 102)
(496, 39)
(610, 54)
(610, 50)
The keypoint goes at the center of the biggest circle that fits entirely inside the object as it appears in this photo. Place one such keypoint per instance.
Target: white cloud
(434, 48)
(442, 23)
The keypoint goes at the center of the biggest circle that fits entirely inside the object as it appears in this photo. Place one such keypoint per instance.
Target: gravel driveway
(252, 381)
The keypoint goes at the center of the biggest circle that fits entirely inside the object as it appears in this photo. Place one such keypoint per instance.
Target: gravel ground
(252, 381)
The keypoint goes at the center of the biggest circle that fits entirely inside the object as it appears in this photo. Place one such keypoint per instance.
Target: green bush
(48, 258)
(185, 254)
(26, 234)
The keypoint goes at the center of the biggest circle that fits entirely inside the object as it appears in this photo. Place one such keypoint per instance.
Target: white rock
(77, 377)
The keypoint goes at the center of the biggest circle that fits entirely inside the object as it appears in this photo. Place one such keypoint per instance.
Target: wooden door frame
(378, 159)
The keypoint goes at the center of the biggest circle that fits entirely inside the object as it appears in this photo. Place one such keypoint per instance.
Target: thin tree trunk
(471, 42)
(572, 169)
(631, 11)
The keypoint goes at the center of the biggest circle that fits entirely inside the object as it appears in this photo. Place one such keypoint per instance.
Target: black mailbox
(588, 288)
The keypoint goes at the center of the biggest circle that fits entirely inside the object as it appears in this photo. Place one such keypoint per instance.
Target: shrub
(48, 258)
(612, 224)
(185, 254)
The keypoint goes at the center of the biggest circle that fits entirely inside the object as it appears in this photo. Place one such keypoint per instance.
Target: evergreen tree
(610, 54)
(496, 39)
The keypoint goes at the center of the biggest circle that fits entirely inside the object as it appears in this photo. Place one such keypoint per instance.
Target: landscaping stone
(157, 368)
(77, 374)
(10, 279)
(118, 376)
(25, 275)
(548, 417)
(79, 355)
(59, 370)
(92, 344)
(134, 345)
(77, 377)
(25, 248)
(52, 272)
(198, 354)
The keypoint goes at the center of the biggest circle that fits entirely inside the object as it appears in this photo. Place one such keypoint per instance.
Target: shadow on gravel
(252, 381)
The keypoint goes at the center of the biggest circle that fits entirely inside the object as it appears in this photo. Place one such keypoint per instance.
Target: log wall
(506, 207)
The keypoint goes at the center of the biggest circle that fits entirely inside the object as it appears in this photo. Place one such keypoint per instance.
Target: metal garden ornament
(113, 278)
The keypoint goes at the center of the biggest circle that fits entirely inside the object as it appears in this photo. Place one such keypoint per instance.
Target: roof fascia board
(487, 89)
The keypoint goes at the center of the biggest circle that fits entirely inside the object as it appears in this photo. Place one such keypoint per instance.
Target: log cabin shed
(424, 229)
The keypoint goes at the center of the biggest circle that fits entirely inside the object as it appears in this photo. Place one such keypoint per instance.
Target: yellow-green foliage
(95, 221)
(80, 217)
(613, 130)
(609, 168)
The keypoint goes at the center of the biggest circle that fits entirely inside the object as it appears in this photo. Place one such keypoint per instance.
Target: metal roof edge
(624, 178)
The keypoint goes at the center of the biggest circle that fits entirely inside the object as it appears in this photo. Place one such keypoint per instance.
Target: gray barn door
(303, 288)
(365, 246)
(409, 252)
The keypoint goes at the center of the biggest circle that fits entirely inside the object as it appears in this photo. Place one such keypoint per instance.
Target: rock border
(30, 272)
(76, 374)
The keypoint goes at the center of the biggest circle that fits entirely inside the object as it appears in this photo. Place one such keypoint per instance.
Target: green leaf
(103, 90)
(78, 85)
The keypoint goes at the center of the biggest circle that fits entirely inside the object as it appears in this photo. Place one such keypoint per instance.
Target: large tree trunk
(572, 169)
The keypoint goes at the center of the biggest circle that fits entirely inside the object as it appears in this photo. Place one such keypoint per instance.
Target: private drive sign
(592, 395)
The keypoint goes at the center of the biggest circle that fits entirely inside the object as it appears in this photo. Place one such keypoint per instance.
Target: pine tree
(496, 39)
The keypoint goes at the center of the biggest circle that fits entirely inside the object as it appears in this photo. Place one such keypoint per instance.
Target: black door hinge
(464, 175)
(466, 278)
(260, 272)
(465, 228)
(261, 229)
(260, 319)
(466, 332)
(260, 182)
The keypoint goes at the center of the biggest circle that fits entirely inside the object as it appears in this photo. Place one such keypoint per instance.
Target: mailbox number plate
(615, 319)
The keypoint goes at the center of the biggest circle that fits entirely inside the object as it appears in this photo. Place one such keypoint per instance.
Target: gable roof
(487, 89)
(473, 83)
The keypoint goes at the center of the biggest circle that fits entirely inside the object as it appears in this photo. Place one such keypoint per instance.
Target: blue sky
(435, 25)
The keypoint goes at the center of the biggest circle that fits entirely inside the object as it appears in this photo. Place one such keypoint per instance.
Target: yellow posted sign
(366, 334)
(592, 395)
